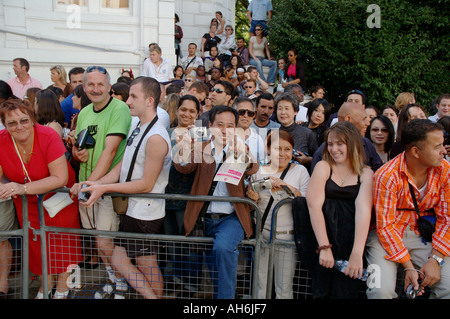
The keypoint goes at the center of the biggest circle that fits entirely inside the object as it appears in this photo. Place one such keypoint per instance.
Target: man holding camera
(107, 120)
(415, 182)
(226, 222)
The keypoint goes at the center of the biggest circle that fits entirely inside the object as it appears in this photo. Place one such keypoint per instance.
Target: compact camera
(199, 133)
(262, 184)
(411, 293)
(85, 140)
(83, 196)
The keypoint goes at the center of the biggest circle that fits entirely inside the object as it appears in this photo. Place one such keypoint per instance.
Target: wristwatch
(438, 259)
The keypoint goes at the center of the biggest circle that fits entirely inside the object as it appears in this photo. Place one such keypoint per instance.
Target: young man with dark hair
(136, 260)
(415, 182)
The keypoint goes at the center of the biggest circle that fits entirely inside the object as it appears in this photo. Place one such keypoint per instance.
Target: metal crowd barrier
(46, 231)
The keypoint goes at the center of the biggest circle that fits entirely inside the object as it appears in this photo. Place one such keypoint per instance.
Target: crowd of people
(221, 129)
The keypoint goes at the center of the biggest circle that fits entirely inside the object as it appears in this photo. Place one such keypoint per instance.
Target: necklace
(342, 179)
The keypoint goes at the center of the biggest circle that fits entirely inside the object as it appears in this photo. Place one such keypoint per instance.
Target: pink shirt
(19, 89)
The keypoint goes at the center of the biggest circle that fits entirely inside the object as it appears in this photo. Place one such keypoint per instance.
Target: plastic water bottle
(341, 265)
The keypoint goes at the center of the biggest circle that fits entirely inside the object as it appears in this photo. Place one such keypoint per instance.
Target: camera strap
(133, 160)
(211, 189)
(269, 205)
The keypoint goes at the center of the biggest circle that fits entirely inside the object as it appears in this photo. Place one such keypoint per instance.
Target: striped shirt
(391, 193)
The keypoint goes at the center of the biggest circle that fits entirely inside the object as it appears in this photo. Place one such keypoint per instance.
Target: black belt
(216, 216)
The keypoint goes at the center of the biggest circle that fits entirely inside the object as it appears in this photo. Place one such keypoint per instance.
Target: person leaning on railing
(32, 157)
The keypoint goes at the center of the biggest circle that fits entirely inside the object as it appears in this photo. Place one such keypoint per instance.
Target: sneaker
(106, 292)
(121, 285)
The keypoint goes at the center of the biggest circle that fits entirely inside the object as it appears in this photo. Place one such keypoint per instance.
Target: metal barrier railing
(44, 229)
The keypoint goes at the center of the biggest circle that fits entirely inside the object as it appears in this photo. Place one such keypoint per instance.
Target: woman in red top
(45, 168)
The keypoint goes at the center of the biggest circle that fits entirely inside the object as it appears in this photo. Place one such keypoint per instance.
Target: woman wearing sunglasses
(382, 134)
(258, 49)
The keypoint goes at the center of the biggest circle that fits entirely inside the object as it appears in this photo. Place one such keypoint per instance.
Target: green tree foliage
(407, 53)
(242, 23)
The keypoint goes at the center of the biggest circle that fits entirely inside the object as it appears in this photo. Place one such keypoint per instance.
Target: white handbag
(56, 203)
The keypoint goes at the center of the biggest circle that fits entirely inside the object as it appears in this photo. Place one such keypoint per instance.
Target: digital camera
(199, 133)
(85, 140)
(83, 196)
(262, 184)
(411, 293)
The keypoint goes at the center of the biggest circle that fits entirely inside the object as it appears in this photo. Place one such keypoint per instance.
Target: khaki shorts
(8, 220)
(101, 216)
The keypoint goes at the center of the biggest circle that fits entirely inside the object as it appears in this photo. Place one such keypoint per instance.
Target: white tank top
(146, 208)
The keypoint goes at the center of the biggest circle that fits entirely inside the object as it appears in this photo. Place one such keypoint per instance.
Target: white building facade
(111, 33)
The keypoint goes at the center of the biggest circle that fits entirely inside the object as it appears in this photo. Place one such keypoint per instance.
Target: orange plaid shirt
(391, 191)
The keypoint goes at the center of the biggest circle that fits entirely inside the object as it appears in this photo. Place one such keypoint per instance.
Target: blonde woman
(171, 105)
(339, 198)
(58, 75)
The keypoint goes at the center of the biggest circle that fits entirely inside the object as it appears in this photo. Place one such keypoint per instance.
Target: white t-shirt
(146, 208)
(162, 73)
(298, 177)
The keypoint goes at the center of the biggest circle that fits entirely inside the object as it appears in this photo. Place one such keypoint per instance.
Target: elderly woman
(58, 75)
(32, 159)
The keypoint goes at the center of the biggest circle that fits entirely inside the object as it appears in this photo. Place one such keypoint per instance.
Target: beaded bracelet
(323, 247)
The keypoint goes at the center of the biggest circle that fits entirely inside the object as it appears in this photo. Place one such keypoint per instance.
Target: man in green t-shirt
(108, 121)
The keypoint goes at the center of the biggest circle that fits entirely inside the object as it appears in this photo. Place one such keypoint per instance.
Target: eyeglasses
(98, 68)
(23, 122)
(250, 113)
(133, 135)
(217, 90)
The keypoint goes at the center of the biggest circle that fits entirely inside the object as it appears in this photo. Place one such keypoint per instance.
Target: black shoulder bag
(269, 205)
(120, 203)
(426, 224)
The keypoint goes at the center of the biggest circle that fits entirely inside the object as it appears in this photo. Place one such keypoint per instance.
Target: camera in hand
(199, 133)
(84, 196)
(262, 184)
(85, 140)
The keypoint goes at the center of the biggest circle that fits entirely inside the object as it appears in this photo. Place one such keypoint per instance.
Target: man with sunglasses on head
(108, 122)
(137, 262)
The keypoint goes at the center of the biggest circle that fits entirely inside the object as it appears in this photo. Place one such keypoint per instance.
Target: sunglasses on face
(112, 92)
(258, 29)
(98, 68)
(217, 90)
(249, 113)
(188, 80)
(248, 87)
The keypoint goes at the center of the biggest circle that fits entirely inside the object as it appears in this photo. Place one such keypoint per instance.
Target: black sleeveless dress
(339, 214)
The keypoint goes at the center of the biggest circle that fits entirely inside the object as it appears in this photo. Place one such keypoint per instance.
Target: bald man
(355, 114)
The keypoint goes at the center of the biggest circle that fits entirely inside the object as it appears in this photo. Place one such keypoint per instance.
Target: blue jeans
(264, 62)
(222, 260)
